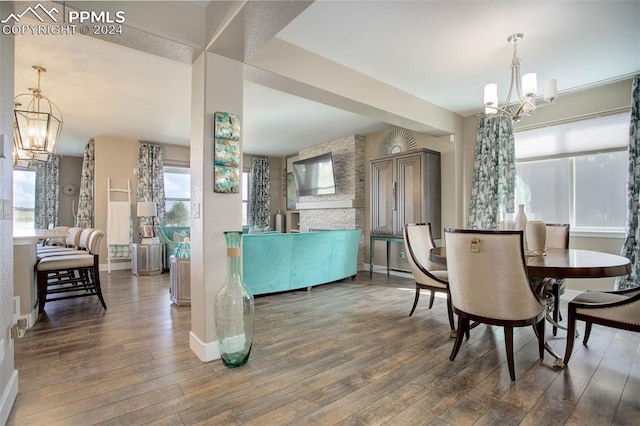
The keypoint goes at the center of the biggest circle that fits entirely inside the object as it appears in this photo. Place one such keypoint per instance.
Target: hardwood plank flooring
(344, 353)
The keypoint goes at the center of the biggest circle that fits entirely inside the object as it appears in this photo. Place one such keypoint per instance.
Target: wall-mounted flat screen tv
(314, 176)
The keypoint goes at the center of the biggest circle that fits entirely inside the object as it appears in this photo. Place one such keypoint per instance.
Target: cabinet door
(409, 188)
(382, 197)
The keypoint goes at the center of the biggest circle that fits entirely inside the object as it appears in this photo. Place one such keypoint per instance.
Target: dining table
(560, 263)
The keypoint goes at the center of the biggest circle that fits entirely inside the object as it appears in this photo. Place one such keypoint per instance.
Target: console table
(180, 283)
(388, 240)
(146, 259)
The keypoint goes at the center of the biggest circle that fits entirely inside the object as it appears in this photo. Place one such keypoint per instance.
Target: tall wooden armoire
(405, 188)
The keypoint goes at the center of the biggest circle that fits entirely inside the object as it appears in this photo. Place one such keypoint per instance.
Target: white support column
(217, 86)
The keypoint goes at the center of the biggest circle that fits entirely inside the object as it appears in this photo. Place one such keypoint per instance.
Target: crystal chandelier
(37, 124)
(526, 89)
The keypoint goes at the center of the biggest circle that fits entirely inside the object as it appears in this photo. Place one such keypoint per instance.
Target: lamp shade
(146, 209)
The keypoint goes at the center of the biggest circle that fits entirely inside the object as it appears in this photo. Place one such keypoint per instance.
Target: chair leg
(508, 339)
(555, 288)
(571, 335)
(96, 276)
(42, 291)
(432, 298)
(415, 300)
(587, 332)
(450, 315)
(463, 324)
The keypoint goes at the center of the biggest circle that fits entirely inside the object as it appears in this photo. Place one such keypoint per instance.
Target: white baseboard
(205, 351)
(8, 397)
(115, 266)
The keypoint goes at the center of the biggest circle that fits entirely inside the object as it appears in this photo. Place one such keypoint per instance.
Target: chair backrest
(85, 236)
(61, 241)
(488, 276)
(418, 242)
(557, 235)
(95, 241)
(73, 237)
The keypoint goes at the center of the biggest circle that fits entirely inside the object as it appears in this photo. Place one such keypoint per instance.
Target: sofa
(276, 262)
(171, 236)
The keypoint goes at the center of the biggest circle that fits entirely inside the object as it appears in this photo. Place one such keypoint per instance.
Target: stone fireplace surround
(345, 208)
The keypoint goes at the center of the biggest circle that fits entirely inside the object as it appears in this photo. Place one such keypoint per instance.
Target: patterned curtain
(84, 219)
(260, 201)
(151, 181)
(631, 244)
(47, 193)
(494, 173)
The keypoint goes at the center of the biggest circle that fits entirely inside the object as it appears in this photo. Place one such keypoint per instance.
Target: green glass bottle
(234, 309)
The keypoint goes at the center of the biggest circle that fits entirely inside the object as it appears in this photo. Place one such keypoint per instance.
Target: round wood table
(564, 263)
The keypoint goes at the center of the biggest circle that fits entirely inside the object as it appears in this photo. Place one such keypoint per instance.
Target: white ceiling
(442, 52)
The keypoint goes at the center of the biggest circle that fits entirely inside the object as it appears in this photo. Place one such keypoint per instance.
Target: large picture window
(24, 199)
(575, 173)
(177, 196)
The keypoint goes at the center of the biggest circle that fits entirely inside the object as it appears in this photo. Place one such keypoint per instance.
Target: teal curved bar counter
(276, 262)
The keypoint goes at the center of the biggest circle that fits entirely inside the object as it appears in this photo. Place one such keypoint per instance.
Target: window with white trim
(177, 195)
(575, 173)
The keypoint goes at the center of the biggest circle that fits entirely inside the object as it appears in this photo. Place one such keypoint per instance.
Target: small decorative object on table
(234, 309)
(521, 224)
(536, 238)
(183, 249)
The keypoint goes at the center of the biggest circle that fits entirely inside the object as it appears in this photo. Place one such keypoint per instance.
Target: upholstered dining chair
(418, 242)
(73, 274)
(557, 236)
(488, 283)
(617, 309)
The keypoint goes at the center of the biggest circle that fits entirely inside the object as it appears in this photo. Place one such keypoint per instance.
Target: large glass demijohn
(234, 309)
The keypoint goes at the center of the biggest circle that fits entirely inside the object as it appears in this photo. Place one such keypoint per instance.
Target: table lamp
(147, 209)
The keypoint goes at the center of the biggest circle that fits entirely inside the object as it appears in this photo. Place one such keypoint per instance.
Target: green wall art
(226, 153)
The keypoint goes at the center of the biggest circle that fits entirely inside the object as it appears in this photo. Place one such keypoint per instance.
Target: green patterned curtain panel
(632, 239)
(260, 200)
(47, 193)
(84, 219)
(151, 181)
(494, 173)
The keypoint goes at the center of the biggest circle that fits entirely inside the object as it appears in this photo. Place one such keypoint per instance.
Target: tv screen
(314, 176)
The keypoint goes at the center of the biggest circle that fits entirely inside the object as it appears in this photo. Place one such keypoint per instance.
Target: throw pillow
(179, 237)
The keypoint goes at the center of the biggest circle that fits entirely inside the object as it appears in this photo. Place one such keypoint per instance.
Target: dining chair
(73, 274)
(617, 309)
(418, 242)
(489, 284)
(557, 236)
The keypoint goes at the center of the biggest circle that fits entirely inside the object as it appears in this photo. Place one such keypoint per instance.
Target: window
(177, 196)
(24, 198)
(246, 182)
(575, 173)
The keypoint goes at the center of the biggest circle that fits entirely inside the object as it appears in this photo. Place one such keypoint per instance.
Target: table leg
(371, 246)
(538, 285)
(388, 255)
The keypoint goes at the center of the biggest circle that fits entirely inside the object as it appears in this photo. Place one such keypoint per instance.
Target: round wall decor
(396, 141)
(69, 189)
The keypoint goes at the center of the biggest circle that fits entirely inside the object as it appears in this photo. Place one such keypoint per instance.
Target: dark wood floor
(344, 353)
